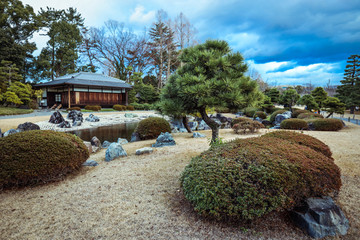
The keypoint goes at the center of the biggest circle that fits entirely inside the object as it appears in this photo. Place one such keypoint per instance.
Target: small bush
(275, 109)
(296, 113)
(93, 107)
(118, 107)
(144, 106)
(294, 124)
(35, 157)
(273, 115)
(250, 111)
(238, 120)
(301, 139)
(73, 108)
(248, 178)
(309, 115)
(151, 127)
(260, 114)
(325, 124)
(252, 126)
(130, 108)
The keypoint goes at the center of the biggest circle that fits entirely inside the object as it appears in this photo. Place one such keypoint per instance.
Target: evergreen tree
(212, 76)
(9, 73)
(349, 90)
(289, 97)
(274, 94)
(320, 95)
(333, 105)
(309, 101)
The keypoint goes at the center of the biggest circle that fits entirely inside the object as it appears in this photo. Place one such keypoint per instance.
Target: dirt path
(138, 197)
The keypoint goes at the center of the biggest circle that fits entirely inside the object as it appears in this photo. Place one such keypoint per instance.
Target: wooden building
(84, 88)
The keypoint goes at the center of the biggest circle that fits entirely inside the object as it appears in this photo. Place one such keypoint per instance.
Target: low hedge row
(325, 124)
(73, 108)
(294, 124)
(93, 107)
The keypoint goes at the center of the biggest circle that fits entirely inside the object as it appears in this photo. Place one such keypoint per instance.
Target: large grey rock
(135, 137)
(176, 124)
(90, 163)
(164, 139)
(89, 146)
(122, 141)
(76, 124)
(174, 130)
(115, 150)
(130, 115)
(182, 130)
(198, 135)
(56, 118)
(95, 142)
(9, 132)
(64, 124)
(75, 116)
(92, 118)
(193, 125)
(266, 123)
(144, 150)
(27, 126)
(321, 217)
(281, 117)
(203, 126)
(106, 144)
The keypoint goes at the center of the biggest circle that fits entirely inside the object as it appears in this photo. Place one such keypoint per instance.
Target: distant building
(84, 88)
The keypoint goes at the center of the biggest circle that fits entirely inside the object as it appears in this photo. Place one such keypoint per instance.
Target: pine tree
(349, 90)
(320, 95)
(289, 97)
(9, 73)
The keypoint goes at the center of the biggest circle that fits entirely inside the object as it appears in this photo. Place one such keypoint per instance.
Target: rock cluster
(92, 118)
(27, 126)
(76, 117)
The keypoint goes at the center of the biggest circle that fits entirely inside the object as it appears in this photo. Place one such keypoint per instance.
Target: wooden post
(69, 104)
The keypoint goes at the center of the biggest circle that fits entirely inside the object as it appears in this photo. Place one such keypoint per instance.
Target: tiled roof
(88, 79)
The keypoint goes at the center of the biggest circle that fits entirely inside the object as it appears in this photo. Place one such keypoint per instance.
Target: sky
(294, 42)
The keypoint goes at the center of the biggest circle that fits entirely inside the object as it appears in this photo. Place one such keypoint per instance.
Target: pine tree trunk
(186, 124)
(212, 124)
(352, 110)
(329, 115)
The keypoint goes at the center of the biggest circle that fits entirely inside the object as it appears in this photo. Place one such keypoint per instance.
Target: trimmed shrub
(273, 115)
(275, 109)
(93, 107)
(260, 114)
(294, 124)
(302, 139)
(296, 113)
(119, 107)
(250, 111)
(325, 124)
(248, 178)
(238, 120)
(73, 108)
(151, 127)
(145, 106)
(35, 157)
(130, 108)
(252, 126)
(309, 115)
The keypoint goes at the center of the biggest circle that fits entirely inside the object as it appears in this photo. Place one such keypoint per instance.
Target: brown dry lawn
(139, 197)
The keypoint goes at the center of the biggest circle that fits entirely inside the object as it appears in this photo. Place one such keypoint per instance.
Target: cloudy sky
(287, 42)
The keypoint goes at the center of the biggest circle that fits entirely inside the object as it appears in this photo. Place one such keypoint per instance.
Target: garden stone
(277, 126)
(281, 117)
(28, 126)
(89, 146)
(321, 217)
(9, 132)
(95, 142)
(114, 150)
(130, 115)
(266, 123)
(258, 119)
(164, 139)
(92, 118)
(144, 150)
(0, 133)
(76, 124)
(177, 123)
(75, 116)
(183, 130)
(193, 125)
(198, 135)
(203, 125)
(64, 124)
(122, 141)
(106, 144)
(90, 163)
(174, 130)
(135, 137)
(56, 118)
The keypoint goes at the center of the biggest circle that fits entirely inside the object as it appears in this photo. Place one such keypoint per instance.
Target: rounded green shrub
(248, 178)
(151, 127)
(309, 115)
(252, 126)
(325, 124)
(238, 120)
(294, 124)
(250, 111)
(273, 115)
(130, 108)
(93, 107)
(119, 107)
(302, 139)
(296, 113)
(73, 108)
(260, 114)
(35, 157)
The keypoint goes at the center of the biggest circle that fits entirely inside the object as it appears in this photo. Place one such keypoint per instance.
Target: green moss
(150, 128)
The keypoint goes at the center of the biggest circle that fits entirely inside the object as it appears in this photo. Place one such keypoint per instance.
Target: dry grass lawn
(139, 197)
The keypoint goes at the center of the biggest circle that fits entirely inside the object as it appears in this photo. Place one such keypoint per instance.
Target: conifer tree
(320, 95)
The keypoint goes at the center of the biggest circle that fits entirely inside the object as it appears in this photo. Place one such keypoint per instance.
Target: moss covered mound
(35, 157)
(301, 139)
(294, 124)
(151, 127)
(325, 124)
(248, 178)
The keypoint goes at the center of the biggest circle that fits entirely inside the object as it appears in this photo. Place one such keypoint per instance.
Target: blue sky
(287, 42)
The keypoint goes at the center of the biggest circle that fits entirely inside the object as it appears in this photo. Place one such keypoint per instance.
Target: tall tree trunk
(352, 110)
(186, 124)
(212, 124)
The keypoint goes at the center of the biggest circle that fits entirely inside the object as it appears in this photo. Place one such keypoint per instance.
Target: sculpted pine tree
(320, 95)
(212, 76)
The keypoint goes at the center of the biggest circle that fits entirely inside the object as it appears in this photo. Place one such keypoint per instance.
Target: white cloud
(139, 15)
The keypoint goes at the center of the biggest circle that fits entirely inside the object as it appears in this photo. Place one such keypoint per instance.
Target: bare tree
(184, 32)
(255, 75)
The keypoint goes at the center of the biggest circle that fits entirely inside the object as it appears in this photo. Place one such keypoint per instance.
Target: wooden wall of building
(93, 98)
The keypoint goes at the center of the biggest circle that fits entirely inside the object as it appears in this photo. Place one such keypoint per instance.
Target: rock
(277, 126)
(95, 149)
(76, 124)
(175, 130)
(198, 135)
(176, 123)
(321, 217)
(28, 126)
(9, 132)
(135, 137)
(193, 125)
(92, 118)
(106, 144)
(202, 125)
(95, 142)
(281, 117)
(258, 119)
(56, 118)
(182, 130)
(114, 150)
(130, 115)
(143, 150)
(89, 146)
(122, 141)
(90, 163)
(75, 116)
(266, 123)
(0, 133)
(64, 124)
(164, 139)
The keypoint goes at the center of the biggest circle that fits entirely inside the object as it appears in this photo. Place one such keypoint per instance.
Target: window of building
(57, 97)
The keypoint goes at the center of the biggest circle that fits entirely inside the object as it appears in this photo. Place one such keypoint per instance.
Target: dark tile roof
(88, 79)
